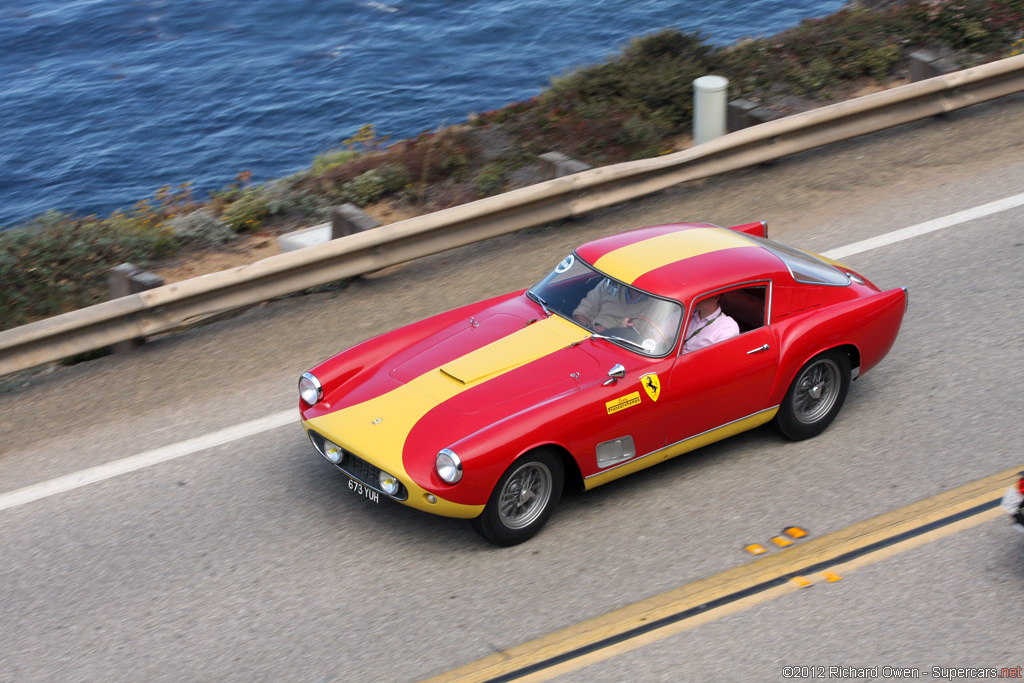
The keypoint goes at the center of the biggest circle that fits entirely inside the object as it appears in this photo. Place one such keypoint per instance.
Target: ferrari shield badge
(652, 385)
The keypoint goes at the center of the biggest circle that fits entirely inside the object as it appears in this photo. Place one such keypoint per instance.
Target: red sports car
(636, 348)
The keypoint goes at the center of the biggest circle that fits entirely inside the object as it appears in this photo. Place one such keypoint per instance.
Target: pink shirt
(703, 332)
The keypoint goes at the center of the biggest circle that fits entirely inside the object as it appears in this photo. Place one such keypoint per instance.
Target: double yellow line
(821, 559)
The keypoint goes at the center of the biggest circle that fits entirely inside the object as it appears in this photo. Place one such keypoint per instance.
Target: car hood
(452, 382)
(498, 355)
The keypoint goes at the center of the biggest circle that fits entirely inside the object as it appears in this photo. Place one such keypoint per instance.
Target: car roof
(682, 260)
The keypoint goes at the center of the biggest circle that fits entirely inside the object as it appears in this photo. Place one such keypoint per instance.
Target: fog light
(388, 484)
(431, 498)
(333, 452)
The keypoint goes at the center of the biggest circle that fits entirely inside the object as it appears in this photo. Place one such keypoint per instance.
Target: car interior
(746, 306)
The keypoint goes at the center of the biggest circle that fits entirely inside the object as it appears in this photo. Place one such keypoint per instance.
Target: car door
(626, 417)
(729, 380)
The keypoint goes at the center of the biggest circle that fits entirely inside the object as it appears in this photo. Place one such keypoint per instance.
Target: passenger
(708, 325)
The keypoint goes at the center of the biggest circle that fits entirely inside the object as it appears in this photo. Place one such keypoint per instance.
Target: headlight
(388, 484)
(310, 390)
(448, 466)
(333, 452)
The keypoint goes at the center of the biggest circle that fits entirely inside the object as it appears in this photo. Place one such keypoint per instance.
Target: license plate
(365, 491)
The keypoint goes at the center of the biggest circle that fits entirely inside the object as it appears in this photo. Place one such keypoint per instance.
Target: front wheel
(523, 499)
(815, 396)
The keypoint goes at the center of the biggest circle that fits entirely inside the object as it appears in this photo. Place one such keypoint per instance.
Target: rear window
(803, 266)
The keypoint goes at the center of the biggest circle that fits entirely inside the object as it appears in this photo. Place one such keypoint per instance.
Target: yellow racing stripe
(376, 430)
(631, 262)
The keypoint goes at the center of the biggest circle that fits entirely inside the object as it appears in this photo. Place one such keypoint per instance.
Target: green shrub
(249, 209)
(653, 76)
(374, 184)
(201, 228)
(59, 262)
(492, 180)
(332, 159)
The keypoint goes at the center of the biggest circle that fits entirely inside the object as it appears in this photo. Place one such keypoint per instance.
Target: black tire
(523, 499)
(815, 396)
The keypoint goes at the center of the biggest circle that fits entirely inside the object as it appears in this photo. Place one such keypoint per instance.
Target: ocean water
(104, 101)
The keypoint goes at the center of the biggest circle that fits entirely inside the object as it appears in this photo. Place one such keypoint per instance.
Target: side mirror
(615, 374)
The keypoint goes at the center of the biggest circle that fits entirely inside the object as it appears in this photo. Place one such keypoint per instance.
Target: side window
(746, 306)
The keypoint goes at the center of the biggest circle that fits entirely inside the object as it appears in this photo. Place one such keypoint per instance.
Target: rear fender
(757, 229)
(869, 325)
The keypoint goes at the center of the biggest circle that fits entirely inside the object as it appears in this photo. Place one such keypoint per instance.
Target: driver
(618, 310)
(609, 305)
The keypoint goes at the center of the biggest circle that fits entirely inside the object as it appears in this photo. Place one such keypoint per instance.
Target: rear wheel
(523, 499)
(815, 396)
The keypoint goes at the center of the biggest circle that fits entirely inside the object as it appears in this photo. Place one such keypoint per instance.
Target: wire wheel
(816, 390)
(815, 396)
(522, 499)
(525, 495)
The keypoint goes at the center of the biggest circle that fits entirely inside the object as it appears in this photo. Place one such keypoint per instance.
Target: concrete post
(555, 165)
(710, 94)
(926, 64)
(128, 279)
(349, 219)
(744, 113)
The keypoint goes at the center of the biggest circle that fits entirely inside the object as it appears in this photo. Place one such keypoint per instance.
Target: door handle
(758, 349)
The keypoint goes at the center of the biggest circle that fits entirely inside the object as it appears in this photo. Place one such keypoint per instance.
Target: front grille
(360, 470)
(357, 468)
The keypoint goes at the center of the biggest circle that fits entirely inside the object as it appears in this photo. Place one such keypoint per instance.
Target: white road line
(926, 227)
(153, 457)
(219, 438)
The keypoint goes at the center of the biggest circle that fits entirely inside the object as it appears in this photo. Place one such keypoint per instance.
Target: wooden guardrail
(189, 301)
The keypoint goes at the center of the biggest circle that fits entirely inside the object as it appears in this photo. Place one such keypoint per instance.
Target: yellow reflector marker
(800, 581)
(756, 549)
(629, 263)
(781, 541)
(831, 577)
(795, 532)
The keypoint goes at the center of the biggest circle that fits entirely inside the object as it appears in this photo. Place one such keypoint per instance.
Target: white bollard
(709, 106)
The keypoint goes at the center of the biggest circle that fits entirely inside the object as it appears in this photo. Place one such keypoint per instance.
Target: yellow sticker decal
(652, 385)
(623, 402)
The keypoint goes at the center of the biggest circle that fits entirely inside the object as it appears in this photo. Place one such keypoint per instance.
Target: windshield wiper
(538, 299)
(611, 337)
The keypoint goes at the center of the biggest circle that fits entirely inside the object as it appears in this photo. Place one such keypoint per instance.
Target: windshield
(611, 309)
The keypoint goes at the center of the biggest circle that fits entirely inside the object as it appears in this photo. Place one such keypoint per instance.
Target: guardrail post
(349, 219)
(555, 165)
(709, 96)
(128, 279)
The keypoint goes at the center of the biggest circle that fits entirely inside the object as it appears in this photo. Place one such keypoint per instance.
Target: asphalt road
(252, 560)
